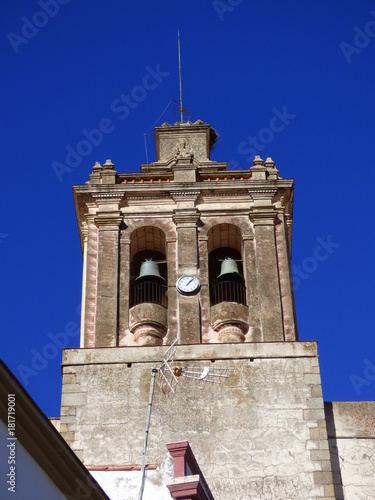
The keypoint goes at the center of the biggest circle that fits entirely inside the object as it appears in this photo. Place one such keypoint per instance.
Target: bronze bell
(229, 271)
(150, 272)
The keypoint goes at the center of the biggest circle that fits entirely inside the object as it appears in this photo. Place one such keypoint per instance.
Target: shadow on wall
(334, 453)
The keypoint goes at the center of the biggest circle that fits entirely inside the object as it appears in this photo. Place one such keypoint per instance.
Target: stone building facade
(262, 433)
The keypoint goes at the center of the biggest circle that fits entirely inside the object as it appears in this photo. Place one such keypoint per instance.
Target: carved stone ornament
(182, 151)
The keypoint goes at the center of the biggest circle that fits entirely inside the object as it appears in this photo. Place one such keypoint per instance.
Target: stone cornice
(227, 194)
(267, 350)
(259, 193)
(185, 194)
(148, 197)
(108, 196)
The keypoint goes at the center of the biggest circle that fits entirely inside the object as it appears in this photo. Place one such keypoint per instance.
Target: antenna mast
(179, 68)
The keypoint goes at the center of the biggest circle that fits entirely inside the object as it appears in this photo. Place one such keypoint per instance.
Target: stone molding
(262, 192)
(247, 237)
(84, 230)
(263, 216)
(148, 197)
(148, 322)
(108, 196)
(185, 195)
(186, 218)
(108, 222)
(254, 350)
(230, 320)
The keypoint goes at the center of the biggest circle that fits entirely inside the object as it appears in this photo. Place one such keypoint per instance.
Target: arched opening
(148, 267)
(225, 265)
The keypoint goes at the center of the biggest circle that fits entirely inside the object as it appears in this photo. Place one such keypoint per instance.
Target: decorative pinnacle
(258, 161)
(269, 163)
(108, 165)
(97, 167)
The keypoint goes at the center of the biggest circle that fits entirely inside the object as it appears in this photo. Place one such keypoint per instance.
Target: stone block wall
(259, 434)
(351, 433)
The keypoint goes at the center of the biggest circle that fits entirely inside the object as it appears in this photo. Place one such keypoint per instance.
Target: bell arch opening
(148, 266)
(225, 266)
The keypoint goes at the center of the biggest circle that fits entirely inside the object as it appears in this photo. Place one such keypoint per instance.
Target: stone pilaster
(184, 169)
(171, 251)
(263, 215)
(205, 288)
(186, 218)
(108, 266)
(124, 285)
(255, 333)
(84, 232)
(285, 277)
(91, 283)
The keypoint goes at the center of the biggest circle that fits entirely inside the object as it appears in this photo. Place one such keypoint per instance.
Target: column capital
(263, 216)
(108, 221)
(84, 230)
(202, 237)
(247, 237)
(186, 218)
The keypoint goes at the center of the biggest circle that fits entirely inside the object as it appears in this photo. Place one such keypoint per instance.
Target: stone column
(287, 299)
(171, 254)
(263, 215)
(186, 218)
(255, 333)
(108, 224)
(91, 283)
(84, 232)
(205, 286)
(124, 286)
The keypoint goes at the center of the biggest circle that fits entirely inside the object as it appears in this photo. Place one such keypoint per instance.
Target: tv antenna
(169, 373)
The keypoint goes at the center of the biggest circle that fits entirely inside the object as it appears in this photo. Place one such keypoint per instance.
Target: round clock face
(188, 285)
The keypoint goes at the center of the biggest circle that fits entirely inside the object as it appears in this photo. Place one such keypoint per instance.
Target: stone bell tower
(187, 214)
(187, 249)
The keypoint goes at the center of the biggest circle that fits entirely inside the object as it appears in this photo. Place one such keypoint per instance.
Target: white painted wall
(120, 485)
(32, 483)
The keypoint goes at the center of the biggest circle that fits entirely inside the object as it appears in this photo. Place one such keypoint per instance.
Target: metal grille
(150, 292)
(228, 291)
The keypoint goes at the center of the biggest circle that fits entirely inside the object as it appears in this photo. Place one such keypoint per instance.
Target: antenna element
(179, 69)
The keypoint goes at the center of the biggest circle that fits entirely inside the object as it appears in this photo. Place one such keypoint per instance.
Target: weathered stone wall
(351, 432)
(259, 435)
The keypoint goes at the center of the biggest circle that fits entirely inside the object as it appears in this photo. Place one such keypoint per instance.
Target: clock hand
(188, 283)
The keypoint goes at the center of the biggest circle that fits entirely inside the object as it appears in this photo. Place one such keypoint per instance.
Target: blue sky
(63, 73)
